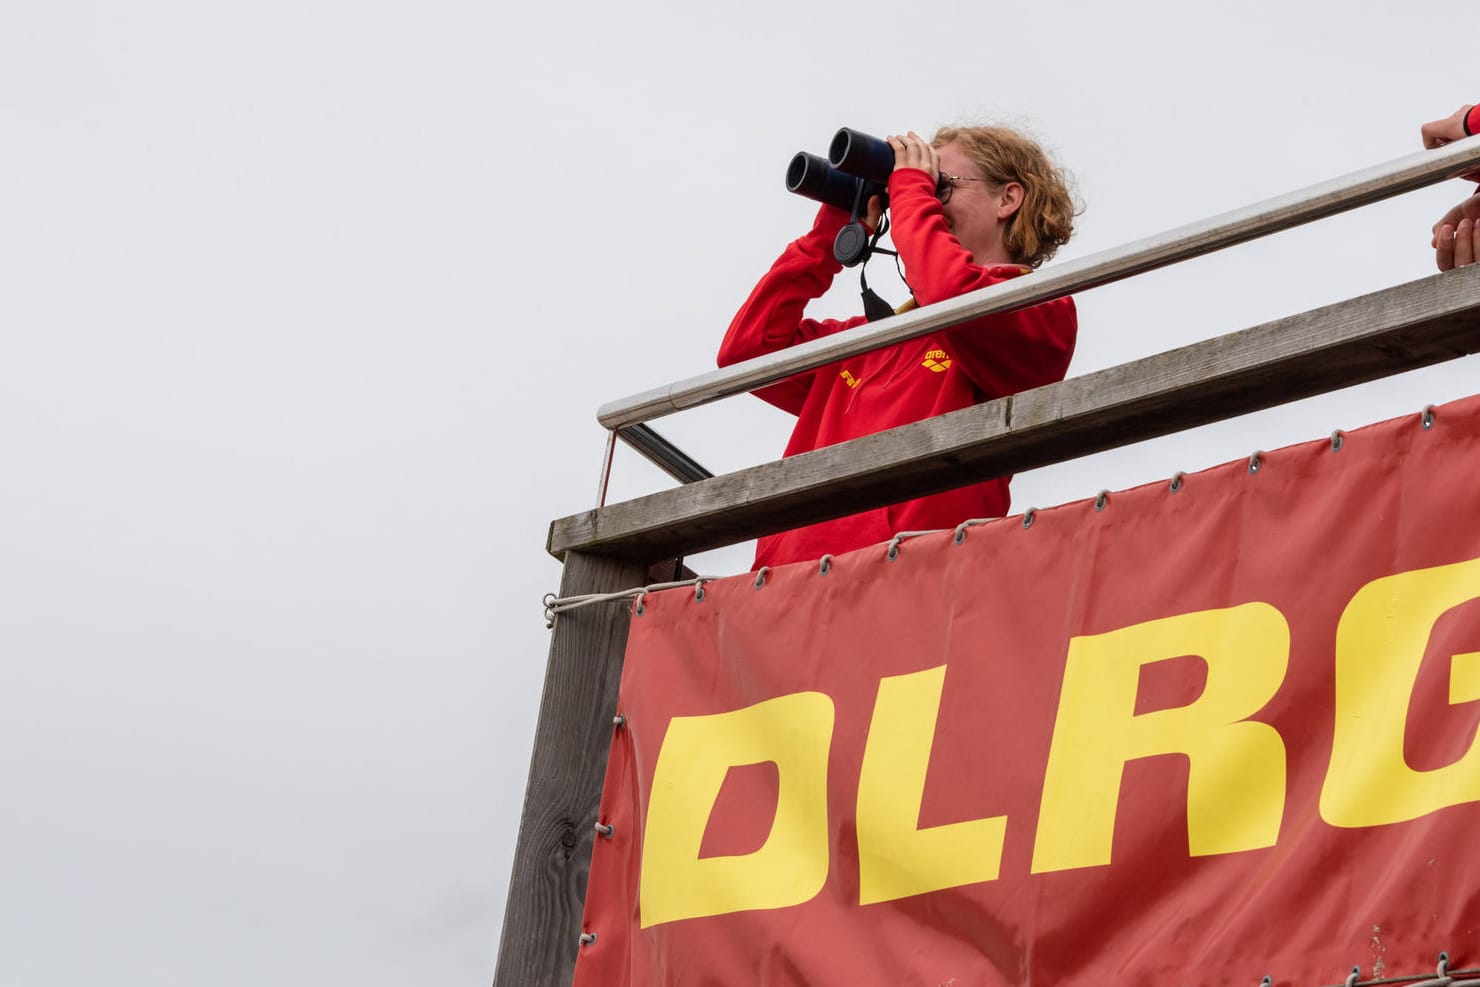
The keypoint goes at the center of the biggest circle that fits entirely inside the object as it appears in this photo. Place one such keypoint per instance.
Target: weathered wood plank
(1377, 335)
(547, 891)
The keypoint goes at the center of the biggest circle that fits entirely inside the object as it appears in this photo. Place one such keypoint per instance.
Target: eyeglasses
(947, 184)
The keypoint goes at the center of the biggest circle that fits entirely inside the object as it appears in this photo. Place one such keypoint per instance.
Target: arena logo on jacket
(937, 361)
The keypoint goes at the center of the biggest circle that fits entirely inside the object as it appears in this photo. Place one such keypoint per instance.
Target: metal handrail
(1282, 212)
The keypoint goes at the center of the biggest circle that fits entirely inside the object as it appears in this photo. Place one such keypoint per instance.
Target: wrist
(829, 220)
(910, 180)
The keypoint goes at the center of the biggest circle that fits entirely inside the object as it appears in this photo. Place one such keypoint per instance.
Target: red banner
(1199, 733)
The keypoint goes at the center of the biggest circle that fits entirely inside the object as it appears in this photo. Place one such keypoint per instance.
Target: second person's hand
(1457, 246)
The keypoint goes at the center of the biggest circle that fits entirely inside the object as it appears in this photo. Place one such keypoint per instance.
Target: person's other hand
(1437, 133)
(874, 215)
(1457, 246)
(1468, 209)
(914, 151)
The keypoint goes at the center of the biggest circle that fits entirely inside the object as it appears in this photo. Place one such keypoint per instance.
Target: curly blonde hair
(1045, 220)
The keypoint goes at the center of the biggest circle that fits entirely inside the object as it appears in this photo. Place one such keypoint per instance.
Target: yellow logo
(937, 360)
(849, 379)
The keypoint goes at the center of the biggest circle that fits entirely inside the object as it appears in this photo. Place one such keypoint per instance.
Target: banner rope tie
(1427, 418)
(1255, 462)
(1336, 439)
(559, 604)
(1102, 499)
(1176, 483)
(893, 552)
(824, 565)
(960, 535)
(1445, 977)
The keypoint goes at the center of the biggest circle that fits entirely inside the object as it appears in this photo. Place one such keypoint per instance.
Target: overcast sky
(305, 312)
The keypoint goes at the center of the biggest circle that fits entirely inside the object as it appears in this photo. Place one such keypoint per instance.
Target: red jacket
(949, 370)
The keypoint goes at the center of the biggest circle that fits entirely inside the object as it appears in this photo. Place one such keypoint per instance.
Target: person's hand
(873, 215)
(1437, 133)
(914, 151)
(1457, 246)
(1468, 209)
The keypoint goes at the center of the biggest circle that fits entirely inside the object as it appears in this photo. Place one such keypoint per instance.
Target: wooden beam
(1413, 325)
(547, 891)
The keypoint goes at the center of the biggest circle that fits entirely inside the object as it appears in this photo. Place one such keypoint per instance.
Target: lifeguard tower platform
(1217, 729)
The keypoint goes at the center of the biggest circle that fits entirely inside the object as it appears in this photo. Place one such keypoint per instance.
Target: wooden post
(547, 891)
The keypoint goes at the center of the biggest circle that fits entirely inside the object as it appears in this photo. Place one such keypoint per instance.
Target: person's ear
(1009, 200)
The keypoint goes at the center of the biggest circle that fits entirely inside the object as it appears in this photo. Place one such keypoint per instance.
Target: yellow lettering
(1380, 644)
(794, 732)
(897, 859)
(1236, 777)
(1464, 678)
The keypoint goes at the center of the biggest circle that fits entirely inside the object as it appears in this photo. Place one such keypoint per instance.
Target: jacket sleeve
(1004, 353)
(772, 318)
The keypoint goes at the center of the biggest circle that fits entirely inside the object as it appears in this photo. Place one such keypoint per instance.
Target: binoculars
(857, 166)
